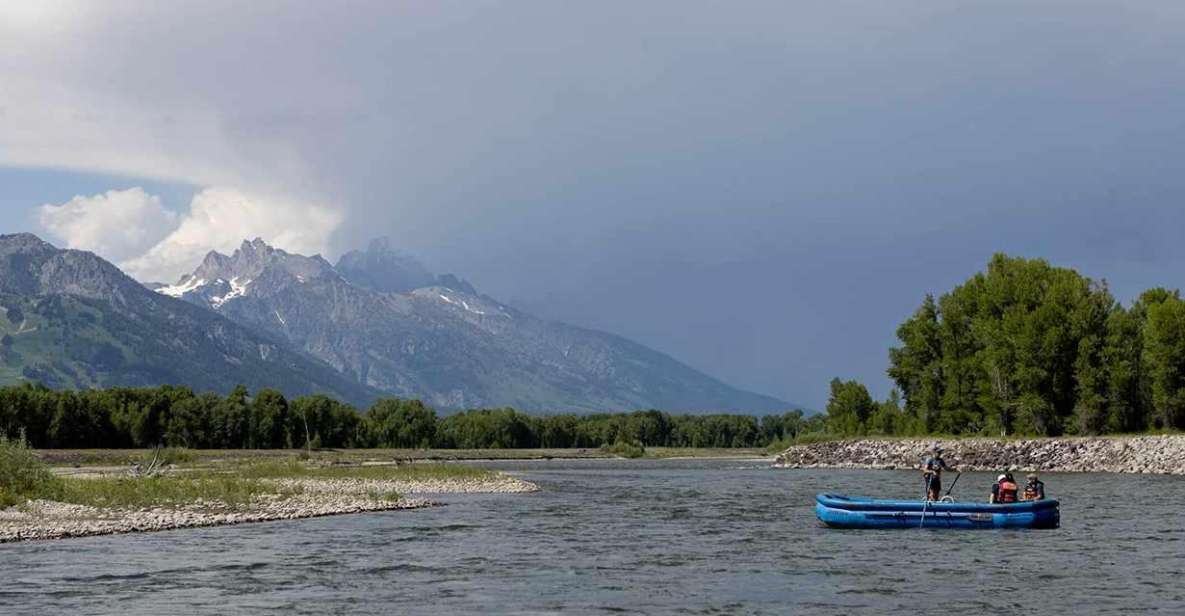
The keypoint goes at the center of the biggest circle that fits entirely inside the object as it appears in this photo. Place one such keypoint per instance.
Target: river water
(654, 537)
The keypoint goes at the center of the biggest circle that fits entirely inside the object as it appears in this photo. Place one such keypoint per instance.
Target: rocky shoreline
(1138, 454)
(39, 520)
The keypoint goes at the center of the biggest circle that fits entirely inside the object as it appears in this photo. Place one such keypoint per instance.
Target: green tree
(1127, 404)
(848, 407)
(916, 365)
(191, 422)
(1164, 359)
(392, 422)
(269, 420)
(888, 418)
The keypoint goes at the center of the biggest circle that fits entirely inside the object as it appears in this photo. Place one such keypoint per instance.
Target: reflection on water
(698, 537)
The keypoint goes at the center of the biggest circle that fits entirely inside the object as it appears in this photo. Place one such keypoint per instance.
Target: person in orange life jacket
(932, 474)
(1034, 489)
(1004, 490)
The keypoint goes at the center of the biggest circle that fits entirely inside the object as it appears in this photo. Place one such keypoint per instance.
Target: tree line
(1028, 348)
(177, 416)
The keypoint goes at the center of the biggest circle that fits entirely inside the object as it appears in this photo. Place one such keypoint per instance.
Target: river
(654, 537)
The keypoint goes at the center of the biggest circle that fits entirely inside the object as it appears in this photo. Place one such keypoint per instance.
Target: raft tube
(839, 511)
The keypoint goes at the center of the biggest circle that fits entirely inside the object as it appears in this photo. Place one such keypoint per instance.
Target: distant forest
(176, 416)
(1027, 348)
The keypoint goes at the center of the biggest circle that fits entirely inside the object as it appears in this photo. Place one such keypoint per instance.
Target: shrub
(169, 455)
(816, 437)
(779, 445)
(625, 449)
(23, 475)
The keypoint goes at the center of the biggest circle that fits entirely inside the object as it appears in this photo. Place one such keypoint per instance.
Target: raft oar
(952, 484)
(926, 499)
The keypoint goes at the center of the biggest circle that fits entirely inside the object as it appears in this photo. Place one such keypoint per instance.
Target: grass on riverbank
(234, 483)
(238, 484)
(82, 458)
(295, 468)
(211, 489)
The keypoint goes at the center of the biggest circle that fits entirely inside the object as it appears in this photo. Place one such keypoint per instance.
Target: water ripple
(673, 537)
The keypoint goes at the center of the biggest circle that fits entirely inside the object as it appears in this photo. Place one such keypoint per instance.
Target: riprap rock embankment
(1140, 454)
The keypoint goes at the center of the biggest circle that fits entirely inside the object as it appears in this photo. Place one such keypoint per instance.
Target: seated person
(1004, 490)
(1034, 489)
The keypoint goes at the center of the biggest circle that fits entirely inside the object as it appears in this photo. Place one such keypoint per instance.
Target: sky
(763, 190)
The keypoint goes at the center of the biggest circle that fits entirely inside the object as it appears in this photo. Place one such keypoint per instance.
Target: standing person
(932, 474)
(1034, 488)
(1004, 490)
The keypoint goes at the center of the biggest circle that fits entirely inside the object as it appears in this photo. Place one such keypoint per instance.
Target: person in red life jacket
(1034, 489)
(1004, 491)
(932, 474)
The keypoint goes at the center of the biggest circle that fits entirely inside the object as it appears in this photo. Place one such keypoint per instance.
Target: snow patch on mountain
(237, 289)
(187, 284)
(462, 303)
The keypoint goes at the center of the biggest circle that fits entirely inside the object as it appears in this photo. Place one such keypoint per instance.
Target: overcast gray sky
(762, 189)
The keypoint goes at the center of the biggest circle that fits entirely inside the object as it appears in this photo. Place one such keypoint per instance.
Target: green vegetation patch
(228, 484)
(295, 468)
(23, 475)
(213, 489)
(625, 449)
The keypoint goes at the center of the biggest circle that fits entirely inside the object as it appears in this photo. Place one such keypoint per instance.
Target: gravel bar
(40, 519)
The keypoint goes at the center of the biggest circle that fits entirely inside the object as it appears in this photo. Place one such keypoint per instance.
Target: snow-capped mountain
(221, 278)
(385, 321)
(69, 319)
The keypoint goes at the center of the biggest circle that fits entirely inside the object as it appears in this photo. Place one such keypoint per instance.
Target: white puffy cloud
(221, 218)
(133, 229)
(117, 224)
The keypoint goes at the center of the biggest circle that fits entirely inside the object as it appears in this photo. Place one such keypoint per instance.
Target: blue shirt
(937, 464)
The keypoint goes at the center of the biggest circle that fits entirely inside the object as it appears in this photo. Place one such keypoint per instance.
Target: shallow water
(690, 537)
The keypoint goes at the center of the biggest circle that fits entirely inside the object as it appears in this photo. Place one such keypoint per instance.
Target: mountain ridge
(443, 341)
(69, 318)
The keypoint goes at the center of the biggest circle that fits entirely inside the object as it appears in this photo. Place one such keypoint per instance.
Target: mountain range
(375, 323)
(69, 319)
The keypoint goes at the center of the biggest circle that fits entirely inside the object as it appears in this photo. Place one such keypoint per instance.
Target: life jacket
(1031, 491)
(1007, 492)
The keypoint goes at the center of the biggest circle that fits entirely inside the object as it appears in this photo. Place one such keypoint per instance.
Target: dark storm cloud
(763, 189)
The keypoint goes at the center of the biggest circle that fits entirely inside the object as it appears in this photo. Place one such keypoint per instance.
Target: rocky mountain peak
(31, 266)
(23, 243)
(215, 261)
(221, 278)
(256, 250)
(381, 267)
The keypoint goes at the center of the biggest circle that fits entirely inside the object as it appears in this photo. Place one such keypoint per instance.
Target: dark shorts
(936, 484)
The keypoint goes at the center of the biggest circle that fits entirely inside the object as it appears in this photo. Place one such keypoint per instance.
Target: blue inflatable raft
(839, 511)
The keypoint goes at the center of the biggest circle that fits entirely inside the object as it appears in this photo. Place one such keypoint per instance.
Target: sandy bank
(317, 497)
(1140, 454)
